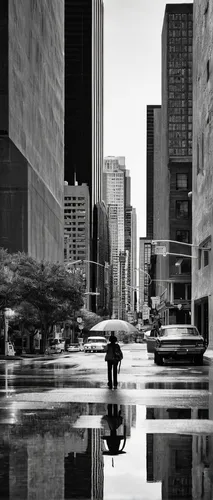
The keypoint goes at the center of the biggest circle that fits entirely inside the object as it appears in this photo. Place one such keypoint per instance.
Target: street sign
(155, 301)
(160, 250)
(146, 315)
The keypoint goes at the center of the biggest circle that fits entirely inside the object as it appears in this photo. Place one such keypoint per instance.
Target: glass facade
(180, 33)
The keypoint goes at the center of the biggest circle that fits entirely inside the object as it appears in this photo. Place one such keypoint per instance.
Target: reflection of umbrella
(114, 325)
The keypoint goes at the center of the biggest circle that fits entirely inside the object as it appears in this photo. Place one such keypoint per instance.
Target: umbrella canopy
(114, 325)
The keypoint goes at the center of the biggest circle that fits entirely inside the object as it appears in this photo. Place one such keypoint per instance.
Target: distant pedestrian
(113, 357)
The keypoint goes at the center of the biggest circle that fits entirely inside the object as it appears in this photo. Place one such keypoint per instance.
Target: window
(182, 209)
(182, 235)
(179, 291)
(205, 258)
(181, 182)
(207, 70)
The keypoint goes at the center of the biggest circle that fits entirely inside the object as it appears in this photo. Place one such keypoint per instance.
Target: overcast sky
(132, 73)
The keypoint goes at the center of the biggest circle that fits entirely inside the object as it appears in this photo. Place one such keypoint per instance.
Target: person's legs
(115, 377)
(109, 366)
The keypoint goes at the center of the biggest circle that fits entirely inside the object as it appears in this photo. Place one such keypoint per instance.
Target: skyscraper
(84, 96)
(76, 228)
(31, 127)
(150, 169)
(173, 174)
(114, 197)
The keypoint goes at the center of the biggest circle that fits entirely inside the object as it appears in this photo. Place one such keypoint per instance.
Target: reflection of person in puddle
(113, 441)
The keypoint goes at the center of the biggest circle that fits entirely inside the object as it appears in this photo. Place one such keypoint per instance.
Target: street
(57, 416)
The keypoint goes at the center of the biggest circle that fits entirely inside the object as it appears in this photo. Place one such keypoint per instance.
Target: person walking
(113, 356)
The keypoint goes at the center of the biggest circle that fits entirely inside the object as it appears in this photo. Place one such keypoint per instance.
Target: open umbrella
(114, 325)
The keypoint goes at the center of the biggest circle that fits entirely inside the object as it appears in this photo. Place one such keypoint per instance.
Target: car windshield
(179, 331)
(97, 340)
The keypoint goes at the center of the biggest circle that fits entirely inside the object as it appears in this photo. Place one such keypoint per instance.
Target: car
(178, 342)
(73, 348)
(56, 347)
(95, 344)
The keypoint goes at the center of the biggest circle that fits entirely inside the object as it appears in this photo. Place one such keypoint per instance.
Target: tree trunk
(43, 343)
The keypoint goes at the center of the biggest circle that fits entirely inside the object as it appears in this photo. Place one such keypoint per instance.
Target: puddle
(101, 452)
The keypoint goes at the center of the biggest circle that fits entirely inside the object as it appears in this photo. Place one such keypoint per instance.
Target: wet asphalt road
(60, 426)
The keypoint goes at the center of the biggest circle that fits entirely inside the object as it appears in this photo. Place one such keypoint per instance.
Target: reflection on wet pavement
(95, 451)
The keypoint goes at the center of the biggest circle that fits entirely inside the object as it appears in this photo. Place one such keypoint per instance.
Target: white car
(56, 347)
(73, 348)
(95, 344)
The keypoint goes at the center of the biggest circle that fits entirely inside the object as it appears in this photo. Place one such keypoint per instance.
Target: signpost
(160, 250)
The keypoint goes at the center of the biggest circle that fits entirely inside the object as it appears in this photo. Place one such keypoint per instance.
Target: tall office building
(114, 197)
(150, 169)
(202, 185)
(131, 248)
(76, 229)
(145, 251)
(84, 96)
(173, 173)
(31, 127)
(123, 234)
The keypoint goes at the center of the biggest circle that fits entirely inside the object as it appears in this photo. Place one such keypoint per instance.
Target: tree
(49, 289)
(90, 319)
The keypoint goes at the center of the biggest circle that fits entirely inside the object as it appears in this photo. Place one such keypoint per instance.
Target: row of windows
(180, 17)
(70, 198)
(182, 128)
(181, 49)
(175, 84)
(182, 65)
(178, 103)
(180, 40)
(183, 32)
(179, 71)
(180, 151)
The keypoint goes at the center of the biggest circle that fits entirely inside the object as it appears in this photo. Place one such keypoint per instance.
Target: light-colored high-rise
(114, 196)
(76, 228)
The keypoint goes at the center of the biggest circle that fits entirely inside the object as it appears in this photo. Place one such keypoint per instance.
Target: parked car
(177, 342)
(95, 344)
(73, 348)
(56, 347)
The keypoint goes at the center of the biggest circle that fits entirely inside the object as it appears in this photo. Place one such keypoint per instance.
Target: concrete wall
(202, 282)
(36, 116)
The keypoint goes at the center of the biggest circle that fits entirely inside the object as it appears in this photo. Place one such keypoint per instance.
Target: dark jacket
(113, 353)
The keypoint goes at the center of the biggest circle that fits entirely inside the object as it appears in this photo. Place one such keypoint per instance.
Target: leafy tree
(51, 292)
(90, 319)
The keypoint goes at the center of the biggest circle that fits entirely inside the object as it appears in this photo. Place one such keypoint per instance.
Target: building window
(198, 158)
(182, 235)
(181, 182)
(182, 209)
(205, 258)
(199, 258)
(207, 70)
(179, 291)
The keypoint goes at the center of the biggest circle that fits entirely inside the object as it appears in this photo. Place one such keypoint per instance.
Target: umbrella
(114, 325)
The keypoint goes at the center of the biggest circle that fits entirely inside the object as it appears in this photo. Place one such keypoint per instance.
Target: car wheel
(198, 360)
(158, 360)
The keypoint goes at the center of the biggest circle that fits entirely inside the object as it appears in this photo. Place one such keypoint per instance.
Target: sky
(132, 80)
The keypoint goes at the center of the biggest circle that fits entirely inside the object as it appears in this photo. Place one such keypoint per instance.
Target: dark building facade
(150, 169)
(84, 95)
(31, 158)
(173, 174)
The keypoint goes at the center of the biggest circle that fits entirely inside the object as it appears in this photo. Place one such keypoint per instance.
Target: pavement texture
(56, 417)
